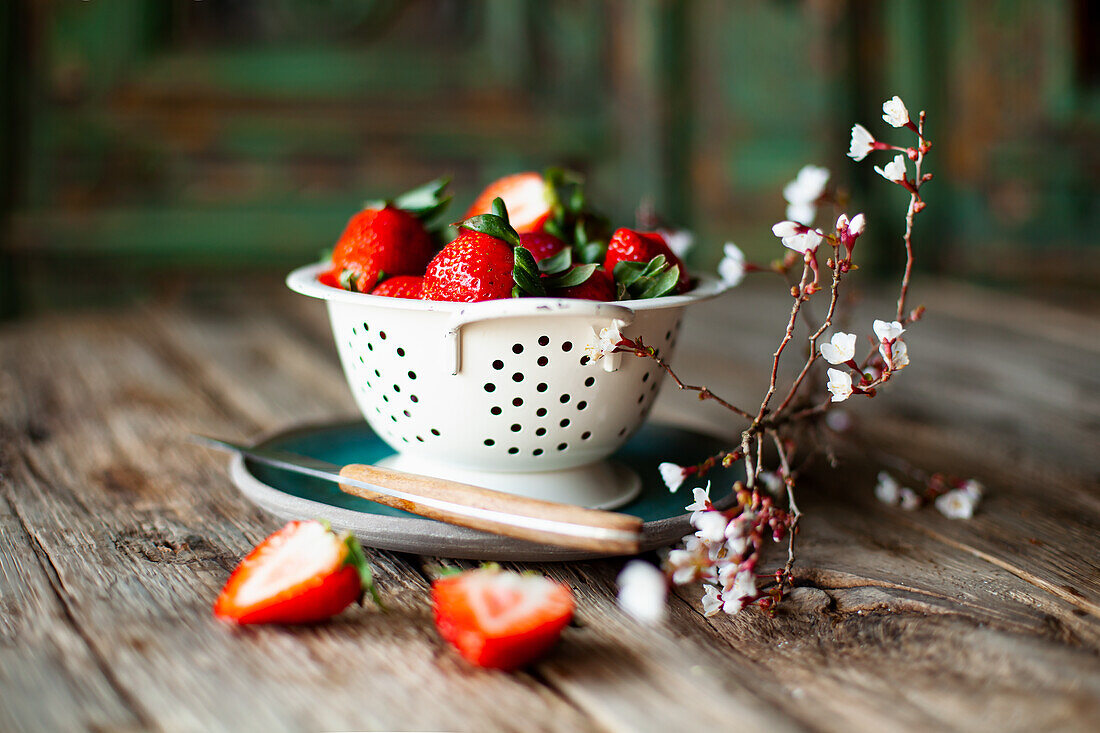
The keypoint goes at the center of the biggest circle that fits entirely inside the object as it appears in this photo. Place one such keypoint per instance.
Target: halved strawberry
(501, 619)
(627, 245)
(527, 197)
(303, 573)
(400, 286)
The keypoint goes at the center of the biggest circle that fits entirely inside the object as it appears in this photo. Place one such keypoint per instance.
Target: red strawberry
(385, 240)
(627, 245)
(599, 286)
(541, 244)
(401, 286)
(305, 572)
(330, 278)
(526, 197)
(472, 267)
(501, 619)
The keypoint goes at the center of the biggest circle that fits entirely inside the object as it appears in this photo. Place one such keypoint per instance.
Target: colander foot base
(603, 485)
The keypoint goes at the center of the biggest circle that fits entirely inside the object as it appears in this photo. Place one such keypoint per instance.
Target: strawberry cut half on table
(501, 619)
(528, 198)
(303, 573)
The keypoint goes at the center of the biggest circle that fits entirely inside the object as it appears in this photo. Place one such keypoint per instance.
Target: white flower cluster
(958, 503)
(609, 338)
(803, 193)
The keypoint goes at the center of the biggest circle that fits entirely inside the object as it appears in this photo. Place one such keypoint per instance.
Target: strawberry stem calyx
(643, 280)
(355, 557)
(425, 202)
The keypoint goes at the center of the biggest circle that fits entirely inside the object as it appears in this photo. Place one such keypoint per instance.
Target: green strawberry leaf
(426, 201)
(592, 252)
(499, 209)
(326, 255)
(493, 226)
(663, 284)
(348, 280)
(558, 263)
(642, 280)
(356, 558)
(525, 272)
(576, 276)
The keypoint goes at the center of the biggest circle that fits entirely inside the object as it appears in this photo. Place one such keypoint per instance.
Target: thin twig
(798, 300)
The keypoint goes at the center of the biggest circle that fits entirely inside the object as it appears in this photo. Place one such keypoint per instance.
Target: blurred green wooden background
(148, 140)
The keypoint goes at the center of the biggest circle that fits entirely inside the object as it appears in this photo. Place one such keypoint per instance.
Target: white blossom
(742, 588)
(957, 504)
(701, 500)
(910, 501)
(642, 592)
(840, 384)
(683, 565)
(680, 241)
(974, 487)
(608, 339)
(894, 112)
(711, 526)
(773, 482)
(894, 170)
(712, 600)
(857, 225)
(899, 354)
(862, 143)
(732, 267)
(842, 223)
(887, 331)
(887, 490)
(673, 475)
(787, 229)
(803, 192)
(840, 349)
(805, 242)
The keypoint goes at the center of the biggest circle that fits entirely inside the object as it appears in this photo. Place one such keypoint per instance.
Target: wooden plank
(143, 536)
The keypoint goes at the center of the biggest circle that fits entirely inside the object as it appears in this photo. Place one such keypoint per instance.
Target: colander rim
(304, 280)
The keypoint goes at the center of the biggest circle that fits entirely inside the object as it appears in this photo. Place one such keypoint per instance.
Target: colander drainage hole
(414, 398)
(517, 377)
(400, 351)
(581, 405)
(396, 388)
(645, 377)
(640, 398)
(542, 387)
(516, 427)
(496, 410)
(385, 398)
(490, 387)
(586, 435)
(360, 358)
(584, 361)
(366, 327)
(513, 450)
(490, 442)
(537, 452)
(382, 335)
(541, 412)
(540, 432)
(563, 399)
(543, 361)
(567, 346)
(412, 375)
(419, 439)
(406, 413)
(544, 340)
(393, 417)
(668, 335)
(498, 365)
(517, 402)
(377, 373)
(589, 382)
(435, 432)
(517, 348)
(564, 423)
(370, 347)
(622, 432)
(562, 446)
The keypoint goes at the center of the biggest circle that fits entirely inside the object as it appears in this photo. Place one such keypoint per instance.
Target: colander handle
(495, 310)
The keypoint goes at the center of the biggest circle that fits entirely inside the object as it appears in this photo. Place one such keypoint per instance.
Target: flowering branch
(725, 551)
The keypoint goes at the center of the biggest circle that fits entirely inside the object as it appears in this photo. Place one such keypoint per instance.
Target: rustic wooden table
(116, 534)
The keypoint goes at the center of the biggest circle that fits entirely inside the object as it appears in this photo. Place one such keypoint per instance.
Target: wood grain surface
(116, 534)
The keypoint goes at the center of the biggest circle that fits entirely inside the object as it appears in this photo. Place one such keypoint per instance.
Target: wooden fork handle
(498, 512)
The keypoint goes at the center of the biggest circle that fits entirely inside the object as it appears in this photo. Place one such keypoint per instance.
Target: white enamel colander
(499, 393)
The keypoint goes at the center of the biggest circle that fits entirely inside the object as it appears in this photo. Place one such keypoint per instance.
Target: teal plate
(293, 496)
